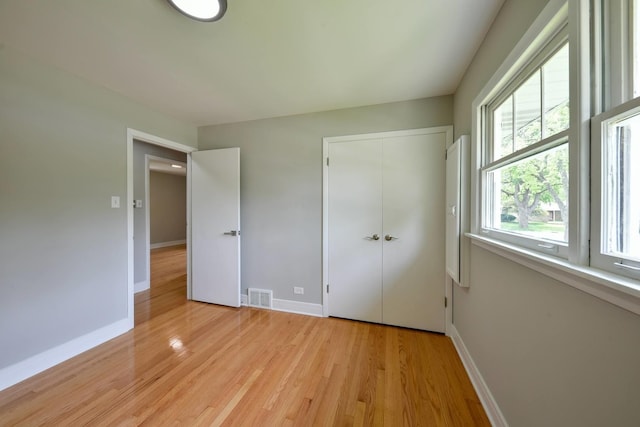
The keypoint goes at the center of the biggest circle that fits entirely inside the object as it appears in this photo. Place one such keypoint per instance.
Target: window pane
(529, 197)
(528, 117)
(622, 188)
(503, 129)
(556, 93)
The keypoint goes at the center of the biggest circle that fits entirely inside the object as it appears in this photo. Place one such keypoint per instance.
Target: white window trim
(532, 242)
(575, 271)
(598, 259)
(544, 30)
(615, 75)
(617, 68)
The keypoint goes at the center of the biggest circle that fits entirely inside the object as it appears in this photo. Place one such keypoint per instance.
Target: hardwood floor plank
(190, 363)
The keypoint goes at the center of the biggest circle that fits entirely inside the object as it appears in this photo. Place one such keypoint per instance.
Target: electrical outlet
(298, 290)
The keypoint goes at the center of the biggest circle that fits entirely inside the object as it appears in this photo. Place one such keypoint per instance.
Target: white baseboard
(289, 306)
(167, 244)
(35, 364)
(297, 307)
(140, 286)
(484, 394)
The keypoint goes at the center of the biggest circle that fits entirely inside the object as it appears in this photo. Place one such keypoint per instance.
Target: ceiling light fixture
(201, 10)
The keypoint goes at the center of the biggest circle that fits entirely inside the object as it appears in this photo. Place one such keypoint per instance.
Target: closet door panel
(413, 219)
(355, 216)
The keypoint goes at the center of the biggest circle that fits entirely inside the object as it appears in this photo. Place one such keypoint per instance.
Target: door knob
(373, 237)
(389, 238)
(232, 233)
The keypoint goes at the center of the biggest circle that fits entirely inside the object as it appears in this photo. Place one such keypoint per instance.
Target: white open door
(215, 226)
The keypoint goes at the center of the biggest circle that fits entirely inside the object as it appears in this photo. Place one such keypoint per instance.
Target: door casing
(162, 142)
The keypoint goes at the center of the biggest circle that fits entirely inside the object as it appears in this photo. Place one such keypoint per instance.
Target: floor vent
(260, 298)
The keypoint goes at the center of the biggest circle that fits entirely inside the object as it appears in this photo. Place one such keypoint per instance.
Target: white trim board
(40, 362)
(157, 140)
(484, 394)
(167, 244)
(289, 306)
(298, 307)
(143, 285)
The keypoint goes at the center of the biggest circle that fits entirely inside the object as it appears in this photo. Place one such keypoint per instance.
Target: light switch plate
(115, 202)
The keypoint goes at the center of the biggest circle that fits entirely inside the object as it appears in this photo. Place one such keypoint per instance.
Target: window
(615, 142)
(525, 179)
(621, 189)
(556, 150)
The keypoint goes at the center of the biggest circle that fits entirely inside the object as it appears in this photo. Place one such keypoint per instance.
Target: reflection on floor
(189, 363)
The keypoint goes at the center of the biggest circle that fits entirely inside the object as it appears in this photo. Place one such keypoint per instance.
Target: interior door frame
(133, 134)
(448, 131)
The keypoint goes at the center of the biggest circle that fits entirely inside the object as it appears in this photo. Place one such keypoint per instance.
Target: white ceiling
(265, 58)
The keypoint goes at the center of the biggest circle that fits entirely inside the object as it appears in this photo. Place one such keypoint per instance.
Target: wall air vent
(261, 298)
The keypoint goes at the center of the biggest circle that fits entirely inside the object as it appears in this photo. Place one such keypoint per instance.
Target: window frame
(588, 87)
(586, 90)
(613, 41)
(555, 38)
(614, 21)
(614, 264)
(551, 47)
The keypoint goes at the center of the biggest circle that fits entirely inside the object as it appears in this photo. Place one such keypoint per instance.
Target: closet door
(355, 228)
(414, 233)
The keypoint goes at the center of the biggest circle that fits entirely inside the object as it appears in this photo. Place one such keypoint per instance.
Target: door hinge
(327, 288)
(446, 154)
(327, 161)
(445, 302)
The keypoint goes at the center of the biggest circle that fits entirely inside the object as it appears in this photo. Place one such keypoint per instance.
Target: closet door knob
(389, 238)
(374, 237)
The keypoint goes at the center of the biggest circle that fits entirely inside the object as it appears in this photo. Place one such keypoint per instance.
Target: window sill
(617, 290)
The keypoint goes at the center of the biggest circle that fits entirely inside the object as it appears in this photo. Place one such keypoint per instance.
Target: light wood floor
(188, 363)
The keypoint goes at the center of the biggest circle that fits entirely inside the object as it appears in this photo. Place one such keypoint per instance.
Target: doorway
(214, 197)
(164, 205)
(160, 227)
(144, 260)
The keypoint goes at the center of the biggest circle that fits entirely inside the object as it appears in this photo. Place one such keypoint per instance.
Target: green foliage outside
(543, 178)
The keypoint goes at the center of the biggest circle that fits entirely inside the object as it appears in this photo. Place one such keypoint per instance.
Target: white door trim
(155, 140)
(448, 130)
